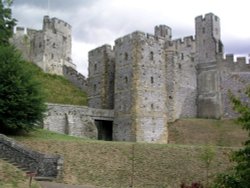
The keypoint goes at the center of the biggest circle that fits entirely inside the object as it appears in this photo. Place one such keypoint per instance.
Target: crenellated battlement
(139, 35)
(20, 31)
(182, 43)
(230, 58)
(207, 16)
(235, 63)
(99, 50)
(163, 31)
(55, 25)
(60, 23)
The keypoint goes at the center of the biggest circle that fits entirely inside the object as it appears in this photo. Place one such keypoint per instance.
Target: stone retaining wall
(44, 165)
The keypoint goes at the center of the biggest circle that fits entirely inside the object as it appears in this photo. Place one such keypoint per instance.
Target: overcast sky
(98, 22)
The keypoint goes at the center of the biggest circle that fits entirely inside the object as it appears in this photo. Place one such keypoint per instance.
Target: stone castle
(149, 80)
(50, 49)
(145, 81)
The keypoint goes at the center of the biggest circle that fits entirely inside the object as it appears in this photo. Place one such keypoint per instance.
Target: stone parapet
(43, 165)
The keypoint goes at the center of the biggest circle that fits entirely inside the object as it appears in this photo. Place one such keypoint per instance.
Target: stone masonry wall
(124, 98)
(235, 77)
(75, 120)
(181, 72)
(101, 78)
(76, 78)
(44, 165)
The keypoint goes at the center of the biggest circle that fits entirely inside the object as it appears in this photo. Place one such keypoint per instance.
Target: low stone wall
(44, 165)
(75, 78)
(75, 120)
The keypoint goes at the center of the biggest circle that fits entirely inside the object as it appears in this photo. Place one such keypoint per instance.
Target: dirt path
(60, 185)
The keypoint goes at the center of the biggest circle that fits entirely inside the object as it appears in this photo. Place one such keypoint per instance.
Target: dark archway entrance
(105, 130)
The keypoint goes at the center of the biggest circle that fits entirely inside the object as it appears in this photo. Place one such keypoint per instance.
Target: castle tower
(49, 48)
(209, 50)
(163, 31)
(140, 108)
(57, 45)
(101, 78)
(208, 40)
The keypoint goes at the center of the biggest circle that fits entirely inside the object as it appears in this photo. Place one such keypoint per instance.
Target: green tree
(21, 101)
(7, 23)
(239, 177)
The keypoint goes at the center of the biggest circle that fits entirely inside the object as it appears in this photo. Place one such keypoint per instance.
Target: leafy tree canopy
(21, 100)
(7, 23)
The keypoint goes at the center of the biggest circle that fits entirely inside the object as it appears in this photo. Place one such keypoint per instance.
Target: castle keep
(149, 80)
(50, 49)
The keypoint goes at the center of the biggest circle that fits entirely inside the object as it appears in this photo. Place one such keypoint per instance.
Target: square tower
(140, 106)
(101, 78)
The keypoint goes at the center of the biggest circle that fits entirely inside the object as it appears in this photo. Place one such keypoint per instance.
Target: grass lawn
(122, 164)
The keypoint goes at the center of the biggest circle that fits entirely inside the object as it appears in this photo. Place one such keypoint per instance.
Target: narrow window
(126, 79)
(179, 65)
(52, 56)
(94, 87)
(64, 39)
(152, 106)
(152, 80)
(126, 56)
(95, 67)
(151, 56)
(54, 45)
(203, 30)
(182, 56)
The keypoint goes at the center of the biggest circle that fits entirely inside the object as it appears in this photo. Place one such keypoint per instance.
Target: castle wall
(37, 44)
(235, 77)
(101, 78)
(209, 97)
(75, 120)
(22, 42)
(140, 109)
(75, 78)
(181, 78)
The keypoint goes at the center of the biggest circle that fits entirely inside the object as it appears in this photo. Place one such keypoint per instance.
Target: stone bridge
(80, 121)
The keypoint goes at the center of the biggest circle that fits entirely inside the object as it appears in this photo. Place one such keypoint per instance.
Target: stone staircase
(42, 166)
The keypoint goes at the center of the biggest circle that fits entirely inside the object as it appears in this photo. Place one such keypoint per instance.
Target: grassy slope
(11, 177)
(109, 164)
(206, 131)
(57, 89)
